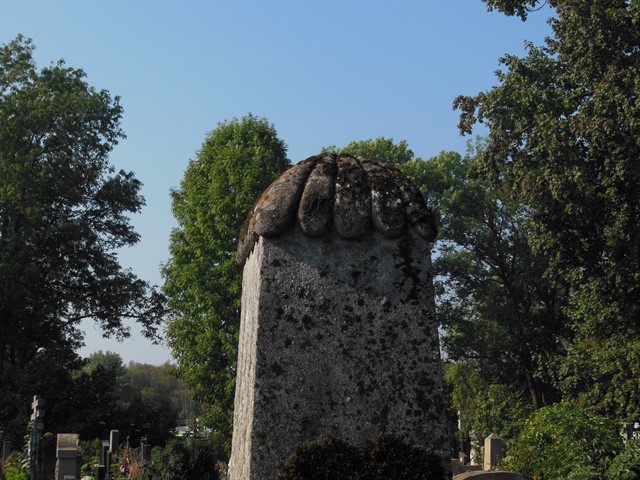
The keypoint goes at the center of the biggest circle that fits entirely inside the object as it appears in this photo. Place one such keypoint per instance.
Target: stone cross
(338, 335)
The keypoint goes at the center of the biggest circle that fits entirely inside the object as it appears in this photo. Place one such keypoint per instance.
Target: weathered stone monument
(338, 335)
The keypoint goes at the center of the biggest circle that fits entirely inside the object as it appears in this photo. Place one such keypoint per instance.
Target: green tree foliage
(485, 405)
(563, 134)
(381, 149)
(521, 8)
(237, 161)
(499, 309)
(108, 360)
(626, 466)
(381, 458)
(181, 459)
(161, 384)
(564, 442)
(501, 316)
(105, 396)
(63, 214)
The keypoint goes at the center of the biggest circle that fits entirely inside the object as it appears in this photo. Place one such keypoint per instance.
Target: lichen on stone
(349, 195)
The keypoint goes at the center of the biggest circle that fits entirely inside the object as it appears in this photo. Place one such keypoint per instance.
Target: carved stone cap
(342, 193)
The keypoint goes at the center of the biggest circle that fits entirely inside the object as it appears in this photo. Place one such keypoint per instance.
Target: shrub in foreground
(183, 458)
(626, 466)
(384, 457)
(564, 442)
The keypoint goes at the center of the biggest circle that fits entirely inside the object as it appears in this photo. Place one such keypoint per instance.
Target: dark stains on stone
(386, 306)
(307, 321)
(387, 211)
(352, 206)
(350, 195)
(382, 417)
(410, 272)
(276, 369)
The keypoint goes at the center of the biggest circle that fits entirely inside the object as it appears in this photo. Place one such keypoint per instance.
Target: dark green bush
(385, 457)
(331, 458)
(389, 457)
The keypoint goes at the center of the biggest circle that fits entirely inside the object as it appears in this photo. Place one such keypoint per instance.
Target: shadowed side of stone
(387, 213)
(315, 212)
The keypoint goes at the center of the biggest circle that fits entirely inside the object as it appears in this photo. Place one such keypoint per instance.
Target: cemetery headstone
(145, 451)
(67, 456)
(6, 449)
(338, 335)
(114, 441)
(493, 447)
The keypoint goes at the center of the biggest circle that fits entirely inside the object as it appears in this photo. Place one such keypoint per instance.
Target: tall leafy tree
(381, 148)
(501, 316)
(63, 214)
(563, 139)
(236, 163)
(499, 309)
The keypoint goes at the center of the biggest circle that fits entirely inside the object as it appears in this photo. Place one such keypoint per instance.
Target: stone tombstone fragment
(114, 441)
(493, 446)
(66, 455)
(338, 335)
(145, 452)
(6, 449)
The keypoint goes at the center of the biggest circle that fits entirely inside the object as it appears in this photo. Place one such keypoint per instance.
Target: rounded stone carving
(349, 195)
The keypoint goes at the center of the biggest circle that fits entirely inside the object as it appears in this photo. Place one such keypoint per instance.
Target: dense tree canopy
(236, 163)
(63, 213)
(563, 140)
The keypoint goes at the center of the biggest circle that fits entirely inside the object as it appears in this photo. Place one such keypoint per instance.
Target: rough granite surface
(338, 338)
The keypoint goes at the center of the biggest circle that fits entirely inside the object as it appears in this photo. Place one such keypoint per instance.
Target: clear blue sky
(322, 72)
